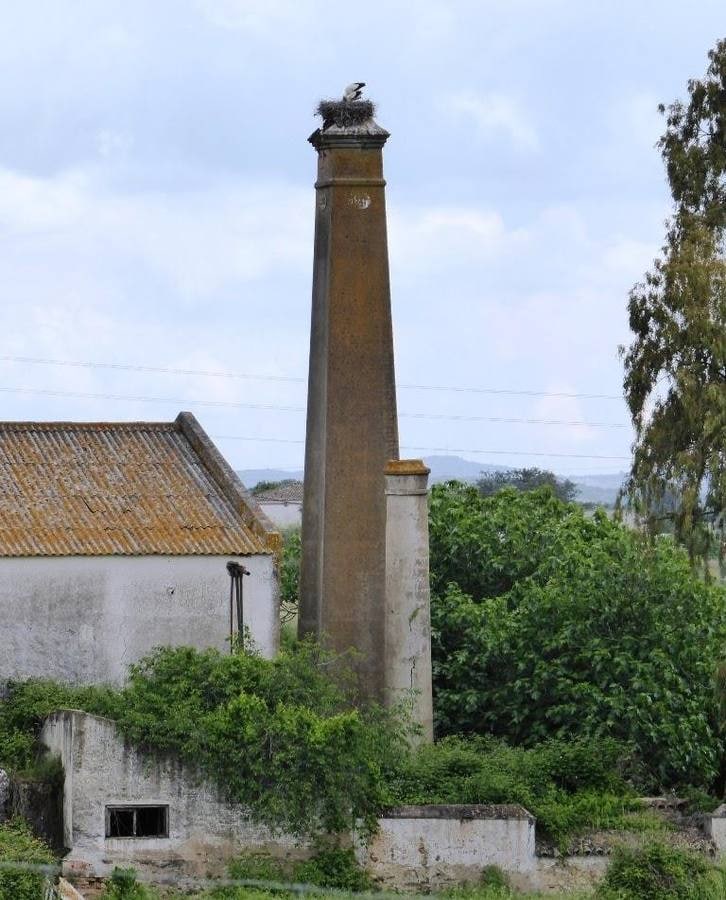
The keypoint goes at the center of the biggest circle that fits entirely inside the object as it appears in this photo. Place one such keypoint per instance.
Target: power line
(237, 437)
(233, 404)
(162, 370)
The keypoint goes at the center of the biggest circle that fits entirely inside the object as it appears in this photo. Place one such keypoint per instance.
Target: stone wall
(84, 619)
(40, 803)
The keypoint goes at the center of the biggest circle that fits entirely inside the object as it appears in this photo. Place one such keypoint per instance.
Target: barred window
(141, 821)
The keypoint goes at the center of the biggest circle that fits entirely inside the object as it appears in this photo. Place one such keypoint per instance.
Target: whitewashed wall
(100, 769)
(416, 847)
(284, 515)
(85, 618)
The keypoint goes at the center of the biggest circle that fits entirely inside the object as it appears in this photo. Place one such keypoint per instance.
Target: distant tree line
(527, 480)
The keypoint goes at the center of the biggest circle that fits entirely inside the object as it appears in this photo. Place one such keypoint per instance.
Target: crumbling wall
(425, 847)
(100, 769)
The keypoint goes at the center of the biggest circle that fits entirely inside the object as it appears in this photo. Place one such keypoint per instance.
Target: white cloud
(494, 116)
(218, 278)
(196, 240)
(630, 257)
(259, 17)
(444, 237)
(113, 144)
(563, 409)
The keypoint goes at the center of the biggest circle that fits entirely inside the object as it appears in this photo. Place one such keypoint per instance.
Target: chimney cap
(348, 123)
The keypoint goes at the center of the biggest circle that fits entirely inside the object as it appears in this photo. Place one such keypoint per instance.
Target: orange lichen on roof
(96, 489)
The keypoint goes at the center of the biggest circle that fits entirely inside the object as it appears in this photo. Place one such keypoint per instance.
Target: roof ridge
(87, 426)
(242, 501)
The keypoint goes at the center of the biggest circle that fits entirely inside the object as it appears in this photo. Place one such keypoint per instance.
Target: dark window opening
(137, 821)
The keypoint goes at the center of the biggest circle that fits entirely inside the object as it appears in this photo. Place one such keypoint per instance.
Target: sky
(157, 204)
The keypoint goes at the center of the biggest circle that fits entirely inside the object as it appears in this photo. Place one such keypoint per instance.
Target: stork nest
(344, 113)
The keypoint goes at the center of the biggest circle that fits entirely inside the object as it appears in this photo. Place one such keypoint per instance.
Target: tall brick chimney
(351, 419)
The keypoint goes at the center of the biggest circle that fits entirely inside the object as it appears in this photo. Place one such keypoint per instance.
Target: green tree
(546, 623)
(527, 480)
(675, 367)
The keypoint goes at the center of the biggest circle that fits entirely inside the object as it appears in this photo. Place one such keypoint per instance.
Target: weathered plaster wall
(421, 848)
(428, 847)
(101, 769)
(84, 619)
(416, 846)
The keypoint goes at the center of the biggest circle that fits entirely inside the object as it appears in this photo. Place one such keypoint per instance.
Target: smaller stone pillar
(408, 614)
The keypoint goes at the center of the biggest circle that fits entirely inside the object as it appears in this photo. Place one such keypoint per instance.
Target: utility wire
(238, 437)
(233, 404)
(161, 370)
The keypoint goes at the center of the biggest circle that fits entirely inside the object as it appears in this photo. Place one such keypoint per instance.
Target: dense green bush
(568, 786)
(660, 872)
(17, 844)
(281, 736)
(549, 624)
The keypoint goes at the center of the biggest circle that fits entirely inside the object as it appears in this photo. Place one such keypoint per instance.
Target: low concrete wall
(417, 848)
(431, 847)
(421, 847)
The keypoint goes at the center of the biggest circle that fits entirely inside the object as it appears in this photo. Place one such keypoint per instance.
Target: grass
(17, 844)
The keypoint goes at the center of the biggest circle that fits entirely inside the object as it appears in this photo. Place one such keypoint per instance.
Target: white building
(114, 539)
(283, 504)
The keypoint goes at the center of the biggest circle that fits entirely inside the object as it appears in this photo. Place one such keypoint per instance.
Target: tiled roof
(291, 492)
(132, 488)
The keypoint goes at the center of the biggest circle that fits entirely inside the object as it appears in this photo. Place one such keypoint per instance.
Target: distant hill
(443, 468)
(447, 468)
(601, 488)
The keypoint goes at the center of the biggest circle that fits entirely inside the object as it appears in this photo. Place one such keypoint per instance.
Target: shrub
(124, 886)
(333, 867)
(569, 787)
(281, 736)
(330, 867)
(17, 844)
(659, 872)
(548, 624)
(256, 867)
